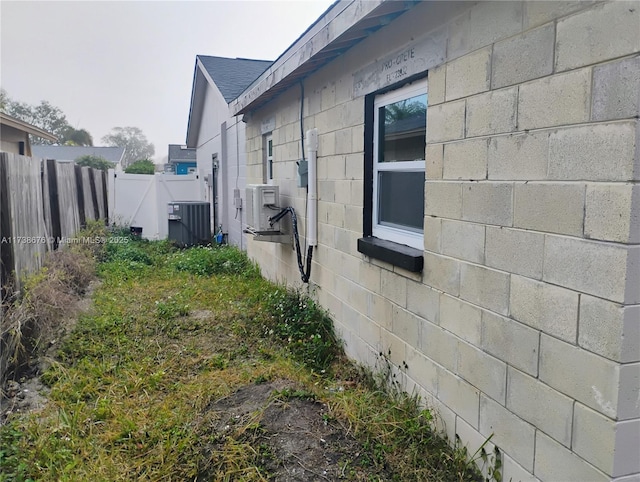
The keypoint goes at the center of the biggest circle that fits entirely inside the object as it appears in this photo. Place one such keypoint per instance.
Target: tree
(135, 143)
(96, 162)
(47, 117)
(142, 166)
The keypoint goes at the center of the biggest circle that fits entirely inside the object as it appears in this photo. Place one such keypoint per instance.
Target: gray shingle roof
(71, 153)
(232, 76)
(181, 153)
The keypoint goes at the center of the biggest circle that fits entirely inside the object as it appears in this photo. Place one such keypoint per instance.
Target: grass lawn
(190, 366)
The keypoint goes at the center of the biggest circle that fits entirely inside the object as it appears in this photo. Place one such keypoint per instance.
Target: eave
(343, 25)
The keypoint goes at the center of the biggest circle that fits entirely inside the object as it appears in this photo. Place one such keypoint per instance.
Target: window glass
(402, 130)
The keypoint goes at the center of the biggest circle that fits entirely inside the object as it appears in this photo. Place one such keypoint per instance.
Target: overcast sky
(115, 63)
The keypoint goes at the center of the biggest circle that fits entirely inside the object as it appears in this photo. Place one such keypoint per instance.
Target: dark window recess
(399, 255)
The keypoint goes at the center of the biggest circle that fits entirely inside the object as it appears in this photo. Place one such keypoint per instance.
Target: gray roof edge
(332, 23)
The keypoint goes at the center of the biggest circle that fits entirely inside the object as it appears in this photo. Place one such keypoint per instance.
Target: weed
(305, 328)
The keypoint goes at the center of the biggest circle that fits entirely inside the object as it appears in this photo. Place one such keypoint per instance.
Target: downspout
(312, 193)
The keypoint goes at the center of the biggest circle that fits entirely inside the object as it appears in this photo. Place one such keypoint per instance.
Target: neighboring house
(14, 135)
(218, 136)
(71, 153)
(181, 160)
(490, 253)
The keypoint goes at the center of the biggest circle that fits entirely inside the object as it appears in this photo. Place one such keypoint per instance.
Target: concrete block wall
(525, 321)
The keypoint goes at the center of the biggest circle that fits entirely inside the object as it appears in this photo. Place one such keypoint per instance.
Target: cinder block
(336, 167)
(586, 377)
(393, 287)
(492, 112)
(603, 152)
(463, 240)
(460, 396)
(525, 57)
(474, 442)
(393, 348)
(485, 287)
(434, 161)
(335, 213)
(513, 471)
(439, 345)
(552, 208)
(423, 301)
(460, 318)
(519, 157)
(354, 166)
(609, 329)
(441, 273)
(344, 139)
(436, 79)
(504, 248)
(553, 101)
(603, 32)
(358, 141)
(511, 341)
(406, 326)
(483, 371)
(342, 191)
(380, 311)
(488, 203)
(537, 13)
(432, 231)
(545, 307)
(542, 406)
(509, 431)
(326, 190)
(484, 24)
(594, 437)
(599, 269)
(469, 75)
(554, 462)
(422, 370)
(628, 406)
(443, 199)
(626, 458)
(353, 220)
(465, 160)
(615, 90)
(613, 212)
(369, 276)
(446, 121)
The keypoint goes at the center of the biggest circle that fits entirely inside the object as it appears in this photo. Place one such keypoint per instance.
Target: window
(395, 141)
(268, 158)
(400, 121)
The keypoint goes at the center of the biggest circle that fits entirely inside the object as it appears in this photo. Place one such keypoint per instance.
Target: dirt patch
(296, 439)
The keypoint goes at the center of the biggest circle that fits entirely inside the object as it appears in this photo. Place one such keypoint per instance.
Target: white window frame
(268, 158)
(405, 236)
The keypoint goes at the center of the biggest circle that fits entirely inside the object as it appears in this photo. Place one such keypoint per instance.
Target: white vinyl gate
(141, 200)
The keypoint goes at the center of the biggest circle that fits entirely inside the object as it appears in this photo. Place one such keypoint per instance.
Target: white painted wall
(223, 135)
(141, 199)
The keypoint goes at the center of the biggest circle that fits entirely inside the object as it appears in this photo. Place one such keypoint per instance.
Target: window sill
(399, 255)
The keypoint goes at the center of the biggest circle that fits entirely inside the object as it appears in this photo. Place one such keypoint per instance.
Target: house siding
(223, 135)
(528, 307)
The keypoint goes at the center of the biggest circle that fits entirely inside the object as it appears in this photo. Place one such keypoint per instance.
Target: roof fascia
(333, 23)
(28, 128)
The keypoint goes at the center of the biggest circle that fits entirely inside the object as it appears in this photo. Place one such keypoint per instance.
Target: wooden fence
(42, 203)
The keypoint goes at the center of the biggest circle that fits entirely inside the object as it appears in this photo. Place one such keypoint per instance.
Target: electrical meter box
(262, 203)
(189, 222)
